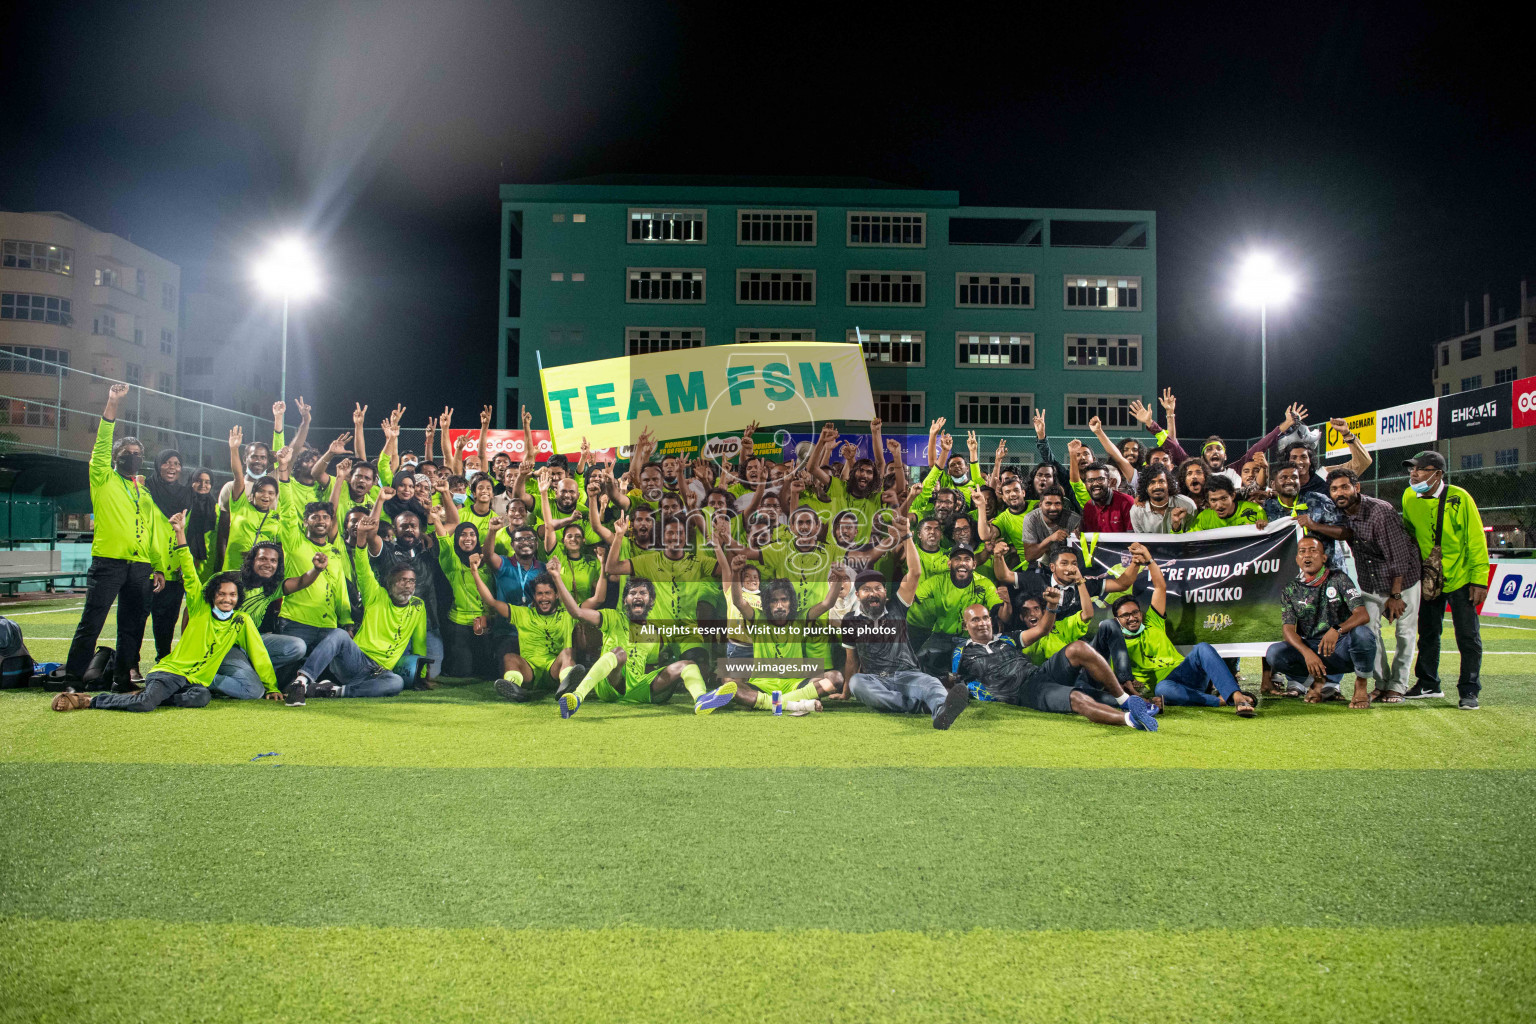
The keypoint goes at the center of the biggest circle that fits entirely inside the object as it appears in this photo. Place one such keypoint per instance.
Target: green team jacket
(206, 640)
(128, 525)
(1463, 544)
(387, 628)
(936, 478)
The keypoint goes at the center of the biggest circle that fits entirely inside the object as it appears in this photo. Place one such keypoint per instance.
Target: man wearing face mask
(257, 458)
(215, 624)
(127, 557)
(1437, 514)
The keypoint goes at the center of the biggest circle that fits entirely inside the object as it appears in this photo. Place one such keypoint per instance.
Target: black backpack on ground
(16, 665)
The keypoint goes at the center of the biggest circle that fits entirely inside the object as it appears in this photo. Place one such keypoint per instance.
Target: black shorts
(503, 644)
(1049, 687)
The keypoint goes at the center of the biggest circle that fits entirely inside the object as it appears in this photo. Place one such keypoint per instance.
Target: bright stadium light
(1261, 283)
(287, 270)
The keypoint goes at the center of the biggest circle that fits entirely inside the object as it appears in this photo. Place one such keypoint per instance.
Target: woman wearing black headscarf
(170, 496)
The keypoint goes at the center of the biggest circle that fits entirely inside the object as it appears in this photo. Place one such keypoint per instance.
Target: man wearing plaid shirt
(1387, 561)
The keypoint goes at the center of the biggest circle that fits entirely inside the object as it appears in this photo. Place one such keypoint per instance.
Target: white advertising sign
(1512, 591)
(1404, 425)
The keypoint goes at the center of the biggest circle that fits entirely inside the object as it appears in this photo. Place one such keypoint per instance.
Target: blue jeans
(357, 674)
(1186, 684)
(434, 652)
(237, 677)
(311, 635)
(159, 688)
(898, 692)
(1356, 649)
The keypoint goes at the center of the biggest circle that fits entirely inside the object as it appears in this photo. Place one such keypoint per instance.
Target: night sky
(1385, 153)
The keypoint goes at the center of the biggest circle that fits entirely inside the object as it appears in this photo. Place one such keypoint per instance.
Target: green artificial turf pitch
(447, 856)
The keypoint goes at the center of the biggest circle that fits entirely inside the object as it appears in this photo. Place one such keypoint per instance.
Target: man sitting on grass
(1004, 672)
(537, 656)
(1157, 663)
(629, 668)
(394, 619)
(1327, 629)
(214, 625)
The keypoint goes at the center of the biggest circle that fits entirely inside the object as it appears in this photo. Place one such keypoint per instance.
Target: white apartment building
(1502, 350)
(89, 300)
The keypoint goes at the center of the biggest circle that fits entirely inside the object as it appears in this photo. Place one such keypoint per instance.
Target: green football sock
(764, 701)
(693, 680)
(806, 692)
(512, 675)
(599, 671)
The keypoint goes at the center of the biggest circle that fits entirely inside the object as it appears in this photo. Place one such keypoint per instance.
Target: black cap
(1426, 460)
(962, 549)
(868, 576)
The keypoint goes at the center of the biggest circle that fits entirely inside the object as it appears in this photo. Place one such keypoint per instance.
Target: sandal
(1390, 698)
(1245, 710)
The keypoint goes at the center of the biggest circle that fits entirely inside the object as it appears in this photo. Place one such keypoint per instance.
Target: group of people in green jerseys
(757, 581)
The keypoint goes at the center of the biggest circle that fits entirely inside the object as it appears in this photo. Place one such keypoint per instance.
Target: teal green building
(977, 314)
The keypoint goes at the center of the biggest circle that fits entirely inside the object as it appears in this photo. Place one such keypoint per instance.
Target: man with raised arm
(214, 625)
(128, 557)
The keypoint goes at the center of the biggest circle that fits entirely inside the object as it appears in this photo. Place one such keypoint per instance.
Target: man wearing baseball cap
(1464, 568)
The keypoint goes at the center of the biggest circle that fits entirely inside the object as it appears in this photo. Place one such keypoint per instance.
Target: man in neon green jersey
(214, 625)
(127, 558)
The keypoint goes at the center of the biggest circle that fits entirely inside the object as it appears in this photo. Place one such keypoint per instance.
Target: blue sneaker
(1144, 704)
(717, 698)
(1141, 717)
(778, 702)
(569, 704)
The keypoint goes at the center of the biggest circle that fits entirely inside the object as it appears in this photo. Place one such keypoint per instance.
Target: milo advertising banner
(1223, 585)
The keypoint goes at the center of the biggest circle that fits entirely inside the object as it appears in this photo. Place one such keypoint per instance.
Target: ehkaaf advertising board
(1476, 412)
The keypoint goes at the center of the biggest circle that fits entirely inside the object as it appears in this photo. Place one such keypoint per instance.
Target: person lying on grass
(1327, 629)
(630, 668)
(214, 625)
(1002, 671)
(1156, 662)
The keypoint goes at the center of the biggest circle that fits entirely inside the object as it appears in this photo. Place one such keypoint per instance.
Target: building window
(105, 324)
(980, 348)
(785, 287)
(168, 296)
(1506, 457)
(667, 226)
(557, 218)
(107, 277)
(900, 407)
(890, 348)
(905, 230)
(1472, 461)
(133, 373)
(1472, 382)
(1102, 292)
(139, 283)
(641, 341)
(993, 409)
(665, 285)
(167, 341)
(42, 309)
(16, 413)
(1504, 376)
(578, 218)
(164, 383)
(886, 287)
(1111, 352)
(775, 227)
(986, 289)
(1472, 347)
(18, 255)
(138, 336)
(1504, 337)
(557, 276)
(1445, 355)
(1112, 410)
(754, 335)
(1445, 388)
(578, 276)
(21, 359)
(197, 366)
